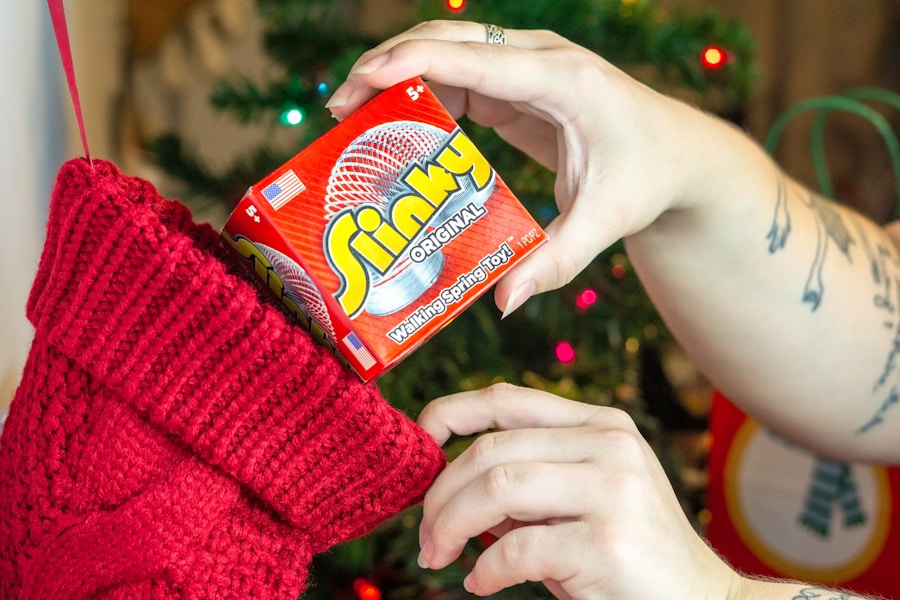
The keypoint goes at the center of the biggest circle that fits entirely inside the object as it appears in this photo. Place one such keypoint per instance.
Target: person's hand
(617, 147)
(574, 494)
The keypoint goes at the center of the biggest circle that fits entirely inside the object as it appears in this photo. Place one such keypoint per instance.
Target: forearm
(788, 302)
(755, 589)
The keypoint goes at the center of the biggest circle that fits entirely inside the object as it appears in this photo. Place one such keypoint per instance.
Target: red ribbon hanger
(58, 16)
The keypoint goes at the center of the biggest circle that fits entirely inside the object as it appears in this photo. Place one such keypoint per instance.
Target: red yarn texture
(174, 434)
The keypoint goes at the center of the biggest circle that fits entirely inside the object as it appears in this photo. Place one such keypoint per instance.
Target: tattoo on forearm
(884, 266)
(830, 228)
(878, 260)
(878, 417)
(781, 223)
(824, 594)
(890, 365)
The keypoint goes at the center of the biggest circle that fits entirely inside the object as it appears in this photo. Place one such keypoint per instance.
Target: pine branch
(201, 185)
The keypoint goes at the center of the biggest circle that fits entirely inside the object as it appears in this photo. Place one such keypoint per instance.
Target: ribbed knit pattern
(175, 435)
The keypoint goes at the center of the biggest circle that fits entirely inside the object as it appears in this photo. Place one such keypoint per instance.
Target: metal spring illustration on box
(370, 172)
(300, 288)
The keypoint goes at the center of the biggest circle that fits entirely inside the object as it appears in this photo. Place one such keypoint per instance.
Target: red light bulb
(713, 57)
(365, 590)
(456, 5)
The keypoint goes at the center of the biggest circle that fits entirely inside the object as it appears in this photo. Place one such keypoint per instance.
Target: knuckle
(427, 413)
(513, 548)
(619, 419)
(429, 505)
(434, 409)
(626, 442)
(614, 431)
(501, 391)
(497, 481)
(435, 27)
(482, 449)
(565, 269)
(442, 528)
(587, 68)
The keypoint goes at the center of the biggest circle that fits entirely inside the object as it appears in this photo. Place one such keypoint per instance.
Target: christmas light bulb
(456, 5)
(585, 299)
(713, 57)
(365, 590)
(565, 352)
(292, 117)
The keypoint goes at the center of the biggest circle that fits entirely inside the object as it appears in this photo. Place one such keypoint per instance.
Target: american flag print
(356, 347)
(283, 190)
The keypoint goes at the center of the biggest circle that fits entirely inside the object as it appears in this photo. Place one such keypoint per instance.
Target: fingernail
(340, 96)
(426, 554)
(470, 583)
(518, 297)
(373, 64)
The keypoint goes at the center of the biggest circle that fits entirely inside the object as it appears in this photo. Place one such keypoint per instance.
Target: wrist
(721, 179)
(725, 166)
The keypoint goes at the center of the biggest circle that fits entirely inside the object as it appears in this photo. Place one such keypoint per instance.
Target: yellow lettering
(409, 214)
(248, 250)
(462, 157)
(435, 185)
(371, 220)
(354, 279)
(391, 239)
(355, 241)
(318, 334)
(374, 252)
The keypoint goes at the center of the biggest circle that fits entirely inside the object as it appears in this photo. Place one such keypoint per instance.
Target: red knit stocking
(174, 434)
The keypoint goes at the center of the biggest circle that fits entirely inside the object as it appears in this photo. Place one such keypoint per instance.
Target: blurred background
(204, 97)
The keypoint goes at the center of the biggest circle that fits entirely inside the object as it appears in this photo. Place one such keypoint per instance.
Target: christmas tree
(597, 340)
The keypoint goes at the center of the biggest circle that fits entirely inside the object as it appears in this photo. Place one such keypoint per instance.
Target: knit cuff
(149, 303)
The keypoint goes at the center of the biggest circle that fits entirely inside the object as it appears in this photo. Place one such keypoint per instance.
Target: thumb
(574, 239)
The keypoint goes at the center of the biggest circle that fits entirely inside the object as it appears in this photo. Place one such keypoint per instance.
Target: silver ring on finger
(495, 34)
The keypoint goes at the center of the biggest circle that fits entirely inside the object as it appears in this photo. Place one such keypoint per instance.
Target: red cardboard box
(383, 230)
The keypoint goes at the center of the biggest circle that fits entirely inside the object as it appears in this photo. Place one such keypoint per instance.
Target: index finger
(501, 406)
(461, 31)
(454, 54)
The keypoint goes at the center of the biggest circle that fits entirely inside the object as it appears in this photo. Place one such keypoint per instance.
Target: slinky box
(380, 232)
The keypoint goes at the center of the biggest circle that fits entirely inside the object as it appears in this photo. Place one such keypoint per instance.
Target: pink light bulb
(586, 299)
(565, 352)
